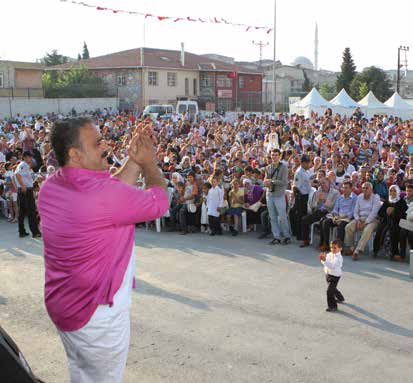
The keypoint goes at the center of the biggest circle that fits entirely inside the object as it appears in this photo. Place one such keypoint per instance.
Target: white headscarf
(180, 178)
(397, 198)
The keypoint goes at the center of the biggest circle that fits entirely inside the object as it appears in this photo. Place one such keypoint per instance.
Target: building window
(171, 79)
(1, 80)
(241, 82)
(207, 80)
(153, 78)
(223, 81)
(121, 80)
(195, 87)
(186, 87)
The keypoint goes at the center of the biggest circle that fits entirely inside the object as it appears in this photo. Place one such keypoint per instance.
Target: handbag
(255, 206)
(405, 224)
(191, 207)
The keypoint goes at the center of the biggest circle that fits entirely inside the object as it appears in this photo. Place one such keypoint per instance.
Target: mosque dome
(304, 62)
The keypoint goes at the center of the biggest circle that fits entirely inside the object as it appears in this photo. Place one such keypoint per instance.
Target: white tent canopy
(400, 107)
(344, 104)
(313, 102)
(371, 106)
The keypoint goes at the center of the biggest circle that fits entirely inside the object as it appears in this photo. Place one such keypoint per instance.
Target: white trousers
(97, 353)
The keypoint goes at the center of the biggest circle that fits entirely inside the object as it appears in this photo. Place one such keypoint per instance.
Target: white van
(155, 111)
(187, 108)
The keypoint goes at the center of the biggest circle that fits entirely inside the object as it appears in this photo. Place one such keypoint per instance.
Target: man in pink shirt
(88, 223)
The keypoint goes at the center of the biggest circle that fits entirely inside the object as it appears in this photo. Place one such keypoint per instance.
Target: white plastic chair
(312, 231)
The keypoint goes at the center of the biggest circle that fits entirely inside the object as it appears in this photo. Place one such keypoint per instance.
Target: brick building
(143, 76)
(20, 79)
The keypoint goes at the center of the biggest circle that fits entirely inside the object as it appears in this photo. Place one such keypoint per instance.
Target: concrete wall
(10, 107)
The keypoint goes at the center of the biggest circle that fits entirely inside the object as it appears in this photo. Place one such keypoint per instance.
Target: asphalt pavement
(225, 309)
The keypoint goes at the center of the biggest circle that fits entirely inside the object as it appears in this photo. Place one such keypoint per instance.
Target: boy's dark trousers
(214, 224)
(332, 292)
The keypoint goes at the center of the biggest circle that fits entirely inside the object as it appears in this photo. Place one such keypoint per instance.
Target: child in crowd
(177, 203)
(215, 201)
(333, 263)
(236, 201)
(204, 209)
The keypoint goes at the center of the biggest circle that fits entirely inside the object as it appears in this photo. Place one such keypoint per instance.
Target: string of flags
(210, 20)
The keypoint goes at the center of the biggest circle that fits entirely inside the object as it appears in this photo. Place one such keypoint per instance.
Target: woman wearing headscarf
(253, 194)
(185, 166)
(390, 214)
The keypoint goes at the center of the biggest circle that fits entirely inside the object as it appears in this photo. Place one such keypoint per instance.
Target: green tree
(363, 90)
(79, 57)
(375, 79)
(327, 91)
(54, 58)
(75, 82)
(348, 72)
(307, 85)
(85, 54)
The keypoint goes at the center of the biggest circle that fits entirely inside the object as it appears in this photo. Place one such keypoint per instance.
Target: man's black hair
(64, 135)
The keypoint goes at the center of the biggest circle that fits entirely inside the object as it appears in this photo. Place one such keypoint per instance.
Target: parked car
(189, 109)
(155, 111)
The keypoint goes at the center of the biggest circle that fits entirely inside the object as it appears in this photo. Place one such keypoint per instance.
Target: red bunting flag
(210, 20)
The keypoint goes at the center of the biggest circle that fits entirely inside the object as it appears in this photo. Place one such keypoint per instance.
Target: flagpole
(143, 63)
(274, 86)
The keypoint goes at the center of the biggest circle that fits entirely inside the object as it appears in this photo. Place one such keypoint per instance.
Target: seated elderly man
(365, 220)
(321, 203)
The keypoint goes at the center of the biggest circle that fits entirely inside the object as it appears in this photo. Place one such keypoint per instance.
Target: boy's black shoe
(37, 235)
(275, 242)
(22, 235)
(331, 310)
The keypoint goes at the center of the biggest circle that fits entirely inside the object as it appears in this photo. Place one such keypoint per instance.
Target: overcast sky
(372, 29)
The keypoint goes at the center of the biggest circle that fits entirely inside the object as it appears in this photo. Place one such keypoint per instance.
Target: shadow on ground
(146, 288)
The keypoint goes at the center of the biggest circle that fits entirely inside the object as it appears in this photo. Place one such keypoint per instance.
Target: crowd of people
(349, 178)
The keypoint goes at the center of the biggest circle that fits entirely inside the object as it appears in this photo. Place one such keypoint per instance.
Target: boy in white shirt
(333, 263)
(215, 201)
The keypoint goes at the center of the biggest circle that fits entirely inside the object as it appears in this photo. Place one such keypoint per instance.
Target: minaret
(316, 48)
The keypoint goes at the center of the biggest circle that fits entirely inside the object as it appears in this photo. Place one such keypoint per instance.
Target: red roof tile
(155, 58)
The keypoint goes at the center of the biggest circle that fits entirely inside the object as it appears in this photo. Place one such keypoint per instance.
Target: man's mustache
(104, 154)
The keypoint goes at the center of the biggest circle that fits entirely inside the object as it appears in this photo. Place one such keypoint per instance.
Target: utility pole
(405, 49)
(274, 86)
(261, 45)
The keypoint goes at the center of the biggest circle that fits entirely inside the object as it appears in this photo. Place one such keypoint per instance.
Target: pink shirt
(88, 225)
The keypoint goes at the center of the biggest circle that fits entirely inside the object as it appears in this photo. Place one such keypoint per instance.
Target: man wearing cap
(301, 189)
(25, 198)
